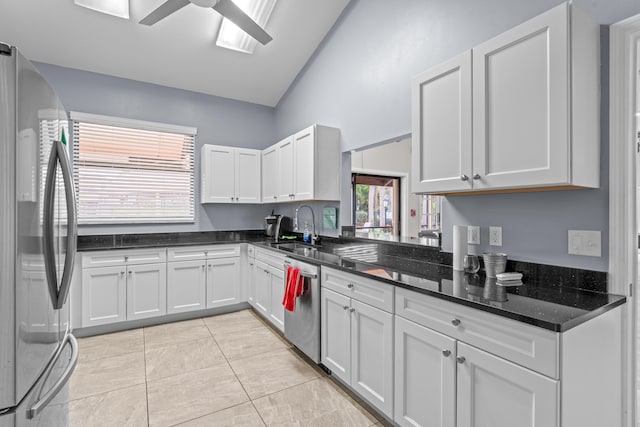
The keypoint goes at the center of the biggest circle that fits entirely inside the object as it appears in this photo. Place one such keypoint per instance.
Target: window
(430, 207)
(129, 171)
(377, 205)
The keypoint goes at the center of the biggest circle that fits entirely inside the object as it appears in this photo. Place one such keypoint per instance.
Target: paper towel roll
(459, 246)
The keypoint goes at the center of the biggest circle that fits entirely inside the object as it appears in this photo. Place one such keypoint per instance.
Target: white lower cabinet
(493, 392)
(146, 290)
(104, 295)
(222, 282)
(262, 285)
(186, 282)
(357, 339)
(425, 376)
(277, 286)
(203, 277)
(121, 285)
(269, 286)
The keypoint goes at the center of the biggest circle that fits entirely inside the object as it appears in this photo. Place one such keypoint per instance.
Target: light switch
(585, 242)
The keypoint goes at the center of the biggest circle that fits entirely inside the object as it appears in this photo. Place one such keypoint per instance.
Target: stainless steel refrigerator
(38, 353)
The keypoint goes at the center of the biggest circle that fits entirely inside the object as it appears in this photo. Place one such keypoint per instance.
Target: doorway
(376, 205)
(624, 101)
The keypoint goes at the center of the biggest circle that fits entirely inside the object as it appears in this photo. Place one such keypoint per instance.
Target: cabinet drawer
(202, 252)
(372, 292)
(529, 346)
(223, 251)
(270, 257)
(122, 257)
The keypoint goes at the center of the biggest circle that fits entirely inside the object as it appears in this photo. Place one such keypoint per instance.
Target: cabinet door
(277, 293)
(492, 392)
(270, 174)
(520, 98)
(304, 164)
(251, 291)
(441, 142)
(372, 355)
(285, 170)
(425, 376)
(186, 286)
(218, 174)
(248, 176)
(146, 290)
(263, 288)
(223, 282)
(335, 333)
(104, 295)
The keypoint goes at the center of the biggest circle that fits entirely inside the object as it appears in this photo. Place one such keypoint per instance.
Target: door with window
(376, 202)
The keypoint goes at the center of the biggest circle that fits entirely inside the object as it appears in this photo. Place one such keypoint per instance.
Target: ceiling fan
(226, 8)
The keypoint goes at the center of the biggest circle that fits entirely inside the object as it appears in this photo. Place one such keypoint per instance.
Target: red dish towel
(293, 288)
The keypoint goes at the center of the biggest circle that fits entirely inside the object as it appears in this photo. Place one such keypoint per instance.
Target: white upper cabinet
(441, 144)
(270, 173)
(284, 178)
(534, 115)
(230, 175)
(304, 166)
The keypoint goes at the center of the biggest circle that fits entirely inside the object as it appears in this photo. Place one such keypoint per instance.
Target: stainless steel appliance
(270, 224)
(38, 227)
(302, 327)
(275, 225)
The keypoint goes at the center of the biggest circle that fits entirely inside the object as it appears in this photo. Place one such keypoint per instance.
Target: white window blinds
(129, 171)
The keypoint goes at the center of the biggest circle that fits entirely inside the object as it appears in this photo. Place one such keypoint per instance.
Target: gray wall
(219, 121)
(359, 81)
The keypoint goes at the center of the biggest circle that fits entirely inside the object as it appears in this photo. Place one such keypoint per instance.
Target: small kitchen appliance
(270, 224)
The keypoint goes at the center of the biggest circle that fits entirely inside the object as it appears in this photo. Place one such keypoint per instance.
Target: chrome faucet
(314, 238)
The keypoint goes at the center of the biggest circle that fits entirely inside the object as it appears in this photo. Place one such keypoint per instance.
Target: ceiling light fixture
(119, 8)
(232, 37)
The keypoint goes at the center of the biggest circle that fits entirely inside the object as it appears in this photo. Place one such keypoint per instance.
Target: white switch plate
(495, 236)
(585, 242)
(474, 234)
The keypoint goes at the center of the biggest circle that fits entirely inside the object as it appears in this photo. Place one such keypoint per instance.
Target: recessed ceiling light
(119, 8)
(232, 37)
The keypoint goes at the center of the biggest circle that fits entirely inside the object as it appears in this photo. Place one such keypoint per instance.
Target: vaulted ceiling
(178, 51)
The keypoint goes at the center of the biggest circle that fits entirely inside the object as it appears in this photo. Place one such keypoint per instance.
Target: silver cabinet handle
(203, 266)
(446, 353)
(122, 274)
(350, 286)
(460, 359)
(275, 197)
(62, 381)
(476, 176)
(455, 322)
(209, 266)
(126, 258)
(352, 310)
(464, 178)
(345, 307)
(130, 273)
(237, 198)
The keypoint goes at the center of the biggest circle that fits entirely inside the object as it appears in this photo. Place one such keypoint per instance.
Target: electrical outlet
(495, 236)
(474, 234)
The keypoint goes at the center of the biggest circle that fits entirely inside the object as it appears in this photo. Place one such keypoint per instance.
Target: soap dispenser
(306, 237)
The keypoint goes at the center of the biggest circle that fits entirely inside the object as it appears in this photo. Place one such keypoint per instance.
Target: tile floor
(227, 370)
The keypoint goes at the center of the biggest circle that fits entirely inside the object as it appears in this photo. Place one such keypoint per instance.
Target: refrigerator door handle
(62, 381)
(59, 155)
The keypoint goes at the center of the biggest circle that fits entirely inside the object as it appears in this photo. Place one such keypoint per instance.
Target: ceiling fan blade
(164, 10)
(233, 13)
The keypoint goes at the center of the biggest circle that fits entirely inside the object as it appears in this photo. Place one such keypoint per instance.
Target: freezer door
(47, 404)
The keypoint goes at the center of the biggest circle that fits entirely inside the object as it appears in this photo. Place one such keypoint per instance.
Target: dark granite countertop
(556, 303)
(537, 302)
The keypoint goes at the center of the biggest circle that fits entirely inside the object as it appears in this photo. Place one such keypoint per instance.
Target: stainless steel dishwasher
(302, 327)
